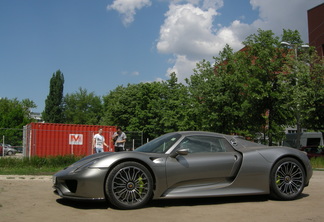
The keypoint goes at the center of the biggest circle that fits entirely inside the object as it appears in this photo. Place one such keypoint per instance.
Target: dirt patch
(29, 199)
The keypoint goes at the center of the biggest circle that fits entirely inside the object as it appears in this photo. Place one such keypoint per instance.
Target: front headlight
(86, 165)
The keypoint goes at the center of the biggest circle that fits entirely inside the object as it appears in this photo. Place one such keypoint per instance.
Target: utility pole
(298, 124)
(3, 145)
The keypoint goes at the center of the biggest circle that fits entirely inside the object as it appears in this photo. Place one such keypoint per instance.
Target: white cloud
(127, 8)
(133, 73)
(204, 4)
(189, 35)
(187, 30)
(182, 67)
(289, 14)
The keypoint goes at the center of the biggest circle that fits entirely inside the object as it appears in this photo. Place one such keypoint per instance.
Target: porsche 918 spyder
(186, 165)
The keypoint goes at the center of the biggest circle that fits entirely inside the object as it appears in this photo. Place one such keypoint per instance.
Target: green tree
(245, 92)
(203, 88)
(171, 107)
(242, 92)
(13, 116)
(146, 114)
(265, 94)
(82, 108)
(315, 118)
(219, 93)
(118, 106)
(181, 110)
(153, 108)
(28, 105)
(53, 112)
(130, 107)
(304, 84)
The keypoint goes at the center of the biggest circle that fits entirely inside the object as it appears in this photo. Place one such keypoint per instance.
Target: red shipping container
(52, 139)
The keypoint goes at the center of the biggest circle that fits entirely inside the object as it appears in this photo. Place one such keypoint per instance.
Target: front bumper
(86, 185)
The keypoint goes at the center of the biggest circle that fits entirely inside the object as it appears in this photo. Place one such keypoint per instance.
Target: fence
(11, 138)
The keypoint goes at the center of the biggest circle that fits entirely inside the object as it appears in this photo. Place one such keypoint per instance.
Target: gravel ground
(31, 198)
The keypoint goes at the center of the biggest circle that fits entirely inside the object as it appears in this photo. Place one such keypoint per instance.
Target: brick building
(316, 28)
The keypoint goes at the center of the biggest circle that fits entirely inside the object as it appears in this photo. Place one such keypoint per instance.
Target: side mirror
(181, 152)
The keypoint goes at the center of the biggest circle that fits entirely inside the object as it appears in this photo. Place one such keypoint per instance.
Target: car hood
(90, 158)
(106, 159)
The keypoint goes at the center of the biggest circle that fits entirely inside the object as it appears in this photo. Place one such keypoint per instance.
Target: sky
(101, 44)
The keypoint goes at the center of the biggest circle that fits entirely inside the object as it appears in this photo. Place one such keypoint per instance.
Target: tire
(9, 153)
(129, 185)
(287, 179)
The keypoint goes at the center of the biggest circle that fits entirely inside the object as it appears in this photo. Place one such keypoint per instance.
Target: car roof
(186, 133)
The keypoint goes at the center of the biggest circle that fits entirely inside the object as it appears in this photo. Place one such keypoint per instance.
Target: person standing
(119, 139)
(99, 142)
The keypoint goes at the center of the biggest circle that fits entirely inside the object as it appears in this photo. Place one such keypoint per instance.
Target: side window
(226, 145)
(199, 144)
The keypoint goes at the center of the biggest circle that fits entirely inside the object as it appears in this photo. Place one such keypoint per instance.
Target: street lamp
(290, 44)
(295, 46)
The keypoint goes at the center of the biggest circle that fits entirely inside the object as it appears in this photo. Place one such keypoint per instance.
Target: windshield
(160, 144)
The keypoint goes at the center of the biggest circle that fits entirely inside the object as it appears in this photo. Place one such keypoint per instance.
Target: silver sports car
(186, 165)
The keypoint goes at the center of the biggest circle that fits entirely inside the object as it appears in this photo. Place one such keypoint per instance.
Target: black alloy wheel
(287, 179)
(129, 186)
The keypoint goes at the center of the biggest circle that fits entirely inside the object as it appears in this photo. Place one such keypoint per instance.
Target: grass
(35, 165)
(50, 165)
(317, 162)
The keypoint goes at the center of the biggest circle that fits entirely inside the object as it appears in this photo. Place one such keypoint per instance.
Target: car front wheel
(287, 179)
(129, 185)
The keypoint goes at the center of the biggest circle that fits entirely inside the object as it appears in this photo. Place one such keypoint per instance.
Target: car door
(210, 161)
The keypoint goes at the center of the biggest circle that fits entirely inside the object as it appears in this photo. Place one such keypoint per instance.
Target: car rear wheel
(10, 153)
(129, 185)
(287, 179)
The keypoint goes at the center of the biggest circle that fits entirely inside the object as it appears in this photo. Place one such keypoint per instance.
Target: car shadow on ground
(164, 203)
(83, 204)
(167, 202)
(206, 201)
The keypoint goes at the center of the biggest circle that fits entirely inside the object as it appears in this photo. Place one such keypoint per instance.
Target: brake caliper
(141, 185)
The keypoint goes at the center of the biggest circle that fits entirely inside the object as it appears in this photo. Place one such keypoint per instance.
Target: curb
(318, 169)
(25, 177)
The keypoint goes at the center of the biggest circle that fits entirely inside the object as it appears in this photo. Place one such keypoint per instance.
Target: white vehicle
(307, 139)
